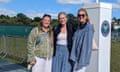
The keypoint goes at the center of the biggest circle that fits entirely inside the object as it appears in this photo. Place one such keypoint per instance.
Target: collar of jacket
(40, 29)
(81, 26)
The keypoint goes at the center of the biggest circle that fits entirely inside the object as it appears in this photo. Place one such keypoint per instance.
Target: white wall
(100, 60)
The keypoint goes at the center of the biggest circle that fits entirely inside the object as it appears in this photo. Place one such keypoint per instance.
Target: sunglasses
(47, 15)
(81, 15)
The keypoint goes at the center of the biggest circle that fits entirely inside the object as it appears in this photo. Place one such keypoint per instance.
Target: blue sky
(33, 8)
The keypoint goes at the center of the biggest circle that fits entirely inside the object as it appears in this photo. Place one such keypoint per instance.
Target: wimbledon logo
(105, 28)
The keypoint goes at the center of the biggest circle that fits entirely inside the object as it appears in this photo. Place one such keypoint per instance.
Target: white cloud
(54, 15)
(118, 1)
(33, 13)
(4, 1)
(7, 12)
(116, 6)
(30, 13)
(74, 1)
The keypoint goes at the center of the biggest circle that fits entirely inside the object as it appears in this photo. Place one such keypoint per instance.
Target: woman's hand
(30, 65)
(32, 62)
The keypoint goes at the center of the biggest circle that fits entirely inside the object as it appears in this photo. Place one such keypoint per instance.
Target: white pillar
(100, 15)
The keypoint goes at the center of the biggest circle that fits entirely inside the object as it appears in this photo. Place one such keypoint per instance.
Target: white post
(97, 1)
(100, 15)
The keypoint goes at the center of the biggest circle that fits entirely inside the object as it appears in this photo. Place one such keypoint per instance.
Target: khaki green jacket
(42, 50)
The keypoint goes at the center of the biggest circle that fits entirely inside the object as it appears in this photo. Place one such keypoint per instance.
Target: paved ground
(6, 66)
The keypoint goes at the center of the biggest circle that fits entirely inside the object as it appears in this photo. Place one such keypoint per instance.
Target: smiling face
(46, 21)
(82, 17)
(62, 19)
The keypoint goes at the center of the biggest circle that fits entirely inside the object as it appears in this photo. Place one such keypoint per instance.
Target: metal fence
(14, 44)
(115, 36)
(13, 40)
(14, 47)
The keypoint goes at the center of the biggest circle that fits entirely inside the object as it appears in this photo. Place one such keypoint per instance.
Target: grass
(17, 50)
(115, 57)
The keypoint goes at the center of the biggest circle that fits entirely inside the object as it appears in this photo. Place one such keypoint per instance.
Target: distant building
(115, 30)
(115, 24)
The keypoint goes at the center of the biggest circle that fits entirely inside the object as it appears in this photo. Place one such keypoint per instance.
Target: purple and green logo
(105, 28)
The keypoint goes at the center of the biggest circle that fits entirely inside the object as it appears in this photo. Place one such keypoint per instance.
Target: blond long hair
(50, 30)
(88, 19)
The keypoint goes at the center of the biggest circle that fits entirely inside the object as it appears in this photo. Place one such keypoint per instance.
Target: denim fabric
(82, 46)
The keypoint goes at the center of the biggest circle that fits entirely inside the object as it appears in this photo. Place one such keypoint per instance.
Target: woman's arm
(31, 46)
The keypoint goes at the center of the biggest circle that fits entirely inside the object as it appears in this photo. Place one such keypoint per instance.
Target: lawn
(17, 51)
(15, 48)
(115, 57)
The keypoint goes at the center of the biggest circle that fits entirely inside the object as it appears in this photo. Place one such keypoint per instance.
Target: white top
(62, 39)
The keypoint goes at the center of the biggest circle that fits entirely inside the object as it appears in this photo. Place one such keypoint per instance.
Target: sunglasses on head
(47, 15)
(81, 15)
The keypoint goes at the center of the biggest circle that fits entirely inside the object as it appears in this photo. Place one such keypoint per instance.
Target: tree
(37, 19)
(72, 19)
(2, 16)
(4, 19)
(118, 20)
(54, 22)
(114, 18)
(21, 18)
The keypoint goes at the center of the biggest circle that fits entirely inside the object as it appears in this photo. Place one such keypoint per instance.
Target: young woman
(40, 46)
(63, 44)
(82, 42)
